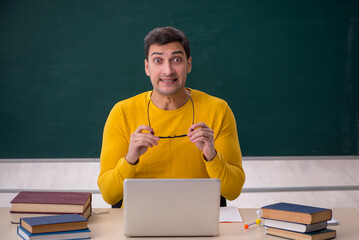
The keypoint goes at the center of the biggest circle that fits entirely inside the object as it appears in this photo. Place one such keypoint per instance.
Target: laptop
(171, 207)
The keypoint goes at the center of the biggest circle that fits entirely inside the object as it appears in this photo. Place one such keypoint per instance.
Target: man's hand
(201, 135)
(139, 143)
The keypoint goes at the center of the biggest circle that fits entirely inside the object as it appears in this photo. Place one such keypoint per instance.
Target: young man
(171, 131)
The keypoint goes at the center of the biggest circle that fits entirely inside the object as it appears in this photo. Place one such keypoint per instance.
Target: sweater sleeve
(114, 169)
(227, 165)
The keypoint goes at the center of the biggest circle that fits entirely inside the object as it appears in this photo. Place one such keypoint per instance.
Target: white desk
(106, 224)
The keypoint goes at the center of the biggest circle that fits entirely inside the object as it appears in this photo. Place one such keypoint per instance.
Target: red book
(16, 216)
(51, 202)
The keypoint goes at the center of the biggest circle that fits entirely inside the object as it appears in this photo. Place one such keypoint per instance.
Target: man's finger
(197, 125)
(145, 136)
(142, 128)
(198, 131)
(201, 137)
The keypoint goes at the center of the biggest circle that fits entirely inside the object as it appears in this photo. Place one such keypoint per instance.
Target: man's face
(167, 66)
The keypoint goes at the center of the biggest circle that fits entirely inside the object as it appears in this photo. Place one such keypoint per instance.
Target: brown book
(317, 235)
(296, 213)
(60, 223)
(15, 216)
(51, 202)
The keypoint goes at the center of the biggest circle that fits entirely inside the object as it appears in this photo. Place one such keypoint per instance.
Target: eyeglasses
(175, 136)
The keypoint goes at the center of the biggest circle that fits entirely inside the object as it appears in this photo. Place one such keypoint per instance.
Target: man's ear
(146, 68)
(189, 64)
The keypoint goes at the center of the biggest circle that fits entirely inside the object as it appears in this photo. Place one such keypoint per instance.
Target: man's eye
(177, 59)
(157, 60)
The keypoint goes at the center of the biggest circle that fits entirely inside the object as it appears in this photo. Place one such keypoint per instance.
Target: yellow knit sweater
(174, 157)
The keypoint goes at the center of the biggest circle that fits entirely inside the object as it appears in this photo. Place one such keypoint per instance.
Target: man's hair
(164, 35)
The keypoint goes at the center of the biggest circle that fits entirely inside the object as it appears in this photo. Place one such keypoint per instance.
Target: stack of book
(67, 226)
(295, 221)
(33, 204)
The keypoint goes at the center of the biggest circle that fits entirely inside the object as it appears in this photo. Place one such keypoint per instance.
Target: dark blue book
(64, 222)
(317, 235)
(296, 213)
(77, 234)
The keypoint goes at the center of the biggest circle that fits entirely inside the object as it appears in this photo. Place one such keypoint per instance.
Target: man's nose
(168, 68)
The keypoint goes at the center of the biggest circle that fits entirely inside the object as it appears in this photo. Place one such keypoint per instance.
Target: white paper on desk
(229, 214)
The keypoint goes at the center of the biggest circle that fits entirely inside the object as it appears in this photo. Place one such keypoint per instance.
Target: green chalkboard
(288, 69)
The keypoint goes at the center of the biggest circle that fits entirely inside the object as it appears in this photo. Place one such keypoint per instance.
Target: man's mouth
(168, 80)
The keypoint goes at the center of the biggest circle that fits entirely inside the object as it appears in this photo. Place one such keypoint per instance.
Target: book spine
(18, 233)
